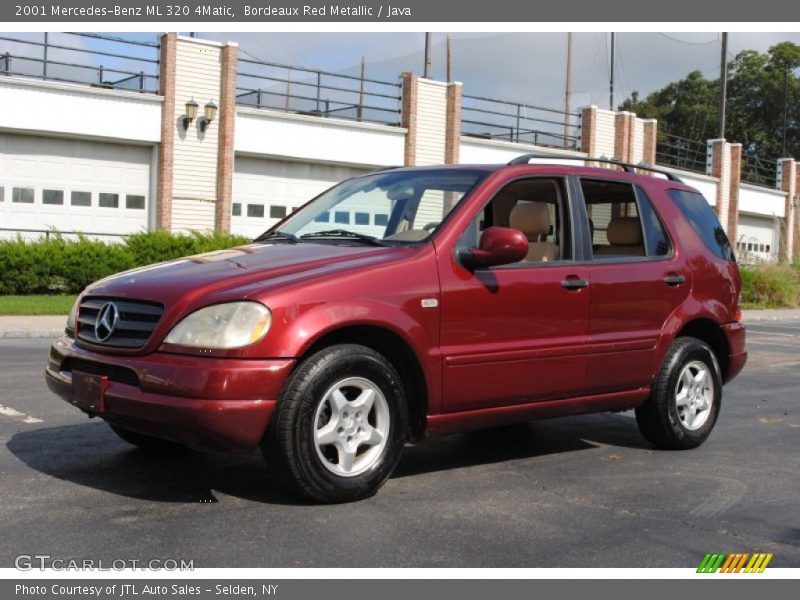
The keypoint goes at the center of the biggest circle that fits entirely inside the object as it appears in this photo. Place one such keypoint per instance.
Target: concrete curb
(18, 334)
(31, 327)
(771, 314)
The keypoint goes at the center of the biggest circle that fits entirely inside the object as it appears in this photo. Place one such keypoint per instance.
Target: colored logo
(740, 562)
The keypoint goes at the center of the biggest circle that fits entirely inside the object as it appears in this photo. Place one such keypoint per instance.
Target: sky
(523, 67)
(520, 67)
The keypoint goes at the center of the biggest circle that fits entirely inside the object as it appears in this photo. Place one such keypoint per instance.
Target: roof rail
(627, 167)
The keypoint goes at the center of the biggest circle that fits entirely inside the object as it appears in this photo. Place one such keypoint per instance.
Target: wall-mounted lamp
(191, 113)
(210, 111)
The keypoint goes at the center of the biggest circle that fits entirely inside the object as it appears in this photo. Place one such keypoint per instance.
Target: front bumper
(211, 403)
(737, 354)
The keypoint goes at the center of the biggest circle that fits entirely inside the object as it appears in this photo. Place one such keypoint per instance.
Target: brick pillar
(225, 155)
(589, 130)
(410, 89)
(623, 136)
(795, 216)
(650, 135)
(788, 183)
(735, 182)
(166, 153)
(719, 166)
(452, 142)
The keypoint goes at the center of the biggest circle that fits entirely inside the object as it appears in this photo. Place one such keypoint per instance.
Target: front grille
(113, 372)
(137, 320)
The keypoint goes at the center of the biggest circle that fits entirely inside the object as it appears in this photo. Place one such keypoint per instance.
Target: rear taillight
(737, 316)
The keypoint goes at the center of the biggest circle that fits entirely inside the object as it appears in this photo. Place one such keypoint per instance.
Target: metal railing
(490, 118)
(56, 233)
(680, 152)
(759, 171)
(318, 93)
(127, 63)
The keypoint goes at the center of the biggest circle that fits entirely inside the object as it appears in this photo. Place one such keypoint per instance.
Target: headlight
(72, 318)
(229, 325)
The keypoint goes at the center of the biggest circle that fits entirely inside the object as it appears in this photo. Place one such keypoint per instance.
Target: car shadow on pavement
(521, 441)
(90, 454)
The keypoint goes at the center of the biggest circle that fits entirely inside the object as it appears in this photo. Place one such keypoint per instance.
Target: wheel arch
(709, 331)
(398, 351)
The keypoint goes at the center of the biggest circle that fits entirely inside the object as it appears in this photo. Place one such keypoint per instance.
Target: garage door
(72, 185)
(266, 190)
(758, 239)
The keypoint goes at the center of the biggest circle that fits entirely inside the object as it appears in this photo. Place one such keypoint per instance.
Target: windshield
(387, 206)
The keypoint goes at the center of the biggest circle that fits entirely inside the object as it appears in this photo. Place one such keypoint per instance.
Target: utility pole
(427, 70)
(723, 84)
(360, 111)
(611, 82)
(785, 110)
(568, 90)
(449, 59)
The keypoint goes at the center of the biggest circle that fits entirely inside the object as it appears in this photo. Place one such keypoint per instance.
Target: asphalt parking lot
(574, 492)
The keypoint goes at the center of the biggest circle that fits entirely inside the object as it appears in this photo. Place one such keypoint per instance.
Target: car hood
(250, 269)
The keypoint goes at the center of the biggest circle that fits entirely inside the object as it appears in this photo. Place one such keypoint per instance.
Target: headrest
(531, 218)
(624, 231)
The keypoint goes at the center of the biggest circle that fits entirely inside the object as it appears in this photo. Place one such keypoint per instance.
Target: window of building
(80, 198)
(52, 197)
(236, 209)
(108, 200)
(277, 212)
(341, 217)
(323, 217)
(381, 219)
(255, 210)
(362, 218)
(22, 195)
(134, 201)
(2, 194)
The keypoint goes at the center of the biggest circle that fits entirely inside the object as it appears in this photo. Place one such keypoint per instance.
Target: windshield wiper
(278, 236)
(342, 234)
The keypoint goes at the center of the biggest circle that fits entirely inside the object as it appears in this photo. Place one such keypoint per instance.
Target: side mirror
(498, 246)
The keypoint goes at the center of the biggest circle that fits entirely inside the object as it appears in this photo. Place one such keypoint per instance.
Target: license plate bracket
(88, 391)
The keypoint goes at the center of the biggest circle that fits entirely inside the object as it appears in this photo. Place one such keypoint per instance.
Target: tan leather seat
(625, 236)
(533, 219)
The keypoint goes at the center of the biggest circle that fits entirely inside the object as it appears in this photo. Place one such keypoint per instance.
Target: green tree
(689, 108)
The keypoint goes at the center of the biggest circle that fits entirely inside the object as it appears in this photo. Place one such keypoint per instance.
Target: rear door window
(702, 218)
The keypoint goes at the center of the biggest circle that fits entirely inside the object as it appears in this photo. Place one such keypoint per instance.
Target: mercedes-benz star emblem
(107, 320)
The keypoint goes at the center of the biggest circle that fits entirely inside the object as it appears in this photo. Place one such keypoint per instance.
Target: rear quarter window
(702, 218)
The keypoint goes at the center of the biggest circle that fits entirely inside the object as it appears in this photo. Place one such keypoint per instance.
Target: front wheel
(340, 425)
(684, 404)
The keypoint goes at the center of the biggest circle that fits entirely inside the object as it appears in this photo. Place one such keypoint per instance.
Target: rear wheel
(340, 425)
(684, 404)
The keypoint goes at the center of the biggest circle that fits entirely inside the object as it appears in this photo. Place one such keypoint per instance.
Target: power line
(674, 39)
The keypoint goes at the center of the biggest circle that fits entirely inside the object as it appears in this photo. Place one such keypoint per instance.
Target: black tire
(289, 445)
(658, 418)
(146, 443)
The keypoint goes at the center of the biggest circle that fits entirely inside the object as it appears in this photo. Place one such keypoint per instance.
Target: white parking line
(5, 411)
(791, 335)
(762, 324)
(795, 347)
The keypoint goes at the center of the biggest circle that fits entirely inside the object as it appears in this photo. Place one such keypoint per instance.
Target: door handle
(674, 279)
(574, 283)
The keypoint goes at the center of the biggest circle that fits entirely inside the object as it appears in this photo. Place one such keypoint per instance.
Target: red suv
(415, 302)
